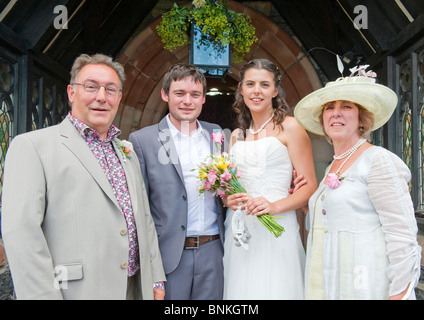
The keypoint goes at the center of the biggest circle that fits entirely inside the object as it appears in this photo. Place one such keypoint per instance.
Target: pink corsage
(218, 138)
(333, 180)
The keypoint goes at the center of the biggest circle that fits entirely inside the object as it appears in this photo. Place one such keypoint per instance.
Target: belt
(196, 241)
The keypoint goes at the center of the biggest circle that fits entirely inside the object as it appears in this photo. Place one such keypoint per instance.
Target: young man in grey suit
(189, 226)
(76, 222)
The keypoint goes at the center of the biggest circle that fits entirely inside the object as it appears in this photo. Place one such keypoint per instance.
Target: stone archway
(146, 62)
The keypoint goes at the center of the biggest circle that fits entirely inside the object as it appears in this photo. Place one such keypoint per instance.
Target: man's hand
(297, 182)
(158, 294)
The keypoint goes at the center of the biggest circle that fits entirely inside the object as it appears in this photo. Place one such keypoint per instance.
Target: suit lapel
(76, 144)
(207, 130)
(130, 173)
(214, 149)
(168, 147)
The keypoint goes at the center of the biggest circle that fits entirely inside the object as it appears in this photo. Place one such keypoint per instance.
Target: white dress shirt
(193, 149)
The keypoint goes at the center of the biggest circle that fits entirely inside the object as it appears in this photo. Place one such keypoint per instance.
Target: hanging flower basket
(218, 24)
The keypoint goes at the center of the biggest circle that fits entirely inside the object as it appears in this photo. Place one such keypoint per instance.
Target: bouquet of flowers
(219, 175)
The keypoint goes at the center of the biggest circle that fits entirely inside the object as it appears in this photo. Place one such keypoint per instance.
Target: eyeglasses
(94, 87)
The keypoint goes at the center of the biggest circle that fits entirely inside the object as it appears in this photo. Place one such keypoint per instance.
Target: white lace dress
(272, 268)
(362, 243)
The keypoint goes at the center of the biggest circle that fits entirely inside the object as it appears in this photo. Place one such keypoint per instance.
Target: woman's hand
(259, 206)
(399, 296)
(236, 200)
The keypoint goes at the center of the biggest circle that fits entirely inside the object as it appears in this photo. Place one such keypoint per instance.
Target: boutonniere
(218, 138)
(126, 148)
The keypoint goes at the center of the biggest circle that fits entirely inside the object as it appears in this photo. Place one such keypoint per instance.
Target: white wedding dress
(272, 268)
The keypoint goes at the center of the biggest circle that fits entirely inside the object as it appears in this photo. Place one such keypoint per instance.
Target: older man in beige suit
(76, 222)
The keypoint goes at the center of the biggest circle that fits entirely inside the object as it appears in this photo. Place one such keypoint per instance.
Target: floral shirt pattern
(112, 167)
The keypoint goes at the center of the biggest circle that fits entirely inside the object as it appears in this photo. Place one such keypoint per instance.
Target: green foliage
(242, 35)
(217, 22)
(174, 27)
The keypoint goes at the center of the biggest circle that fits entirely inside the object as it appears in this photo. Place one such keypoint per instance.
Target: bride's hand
(233, 201)
(259, 206)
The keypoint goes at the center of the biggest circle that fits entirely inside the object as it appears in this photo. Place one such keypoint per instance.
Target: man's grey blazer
(61, 220)
(164, 182)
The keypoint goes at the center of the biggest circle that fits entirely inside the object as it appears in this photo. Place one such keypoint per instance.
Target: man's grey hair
(85, 59)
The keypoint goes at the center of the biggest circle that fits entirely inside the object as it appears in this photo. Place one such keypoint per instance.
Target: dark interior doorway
(219, 101)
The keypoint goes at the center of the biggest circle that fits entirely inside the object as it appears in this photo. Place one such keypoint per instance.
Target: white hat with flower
(360, 89)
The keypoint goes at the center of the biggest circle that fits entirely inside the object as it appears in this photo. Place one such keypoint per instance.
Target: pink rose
(333, 180)
(226, 176)
(217, 137)
(212, 176)
(208, 185)
(239, 173)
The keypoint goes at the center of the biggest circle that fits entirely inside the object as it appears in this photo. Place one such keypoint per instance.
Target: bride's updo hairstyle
(279, 104)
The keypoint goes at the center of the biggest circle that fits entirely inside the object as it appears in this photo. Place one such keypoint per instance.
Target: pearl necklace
(262, 126)
(348, 154)
(351, 150)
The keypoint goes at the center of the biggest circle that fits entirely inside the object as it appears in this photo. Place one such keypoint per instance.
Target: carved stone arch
(146, 62)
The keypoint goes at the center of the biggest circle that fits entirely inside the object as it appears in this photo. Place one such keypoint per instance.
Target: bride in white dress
(266, 148)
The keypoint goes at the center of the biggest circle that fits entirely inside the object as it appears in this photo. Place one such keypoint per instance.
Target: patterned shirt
(109, 162)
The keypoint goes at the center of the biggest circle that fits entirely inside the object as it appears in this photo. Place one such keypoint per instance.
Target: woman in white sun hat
(362, 238)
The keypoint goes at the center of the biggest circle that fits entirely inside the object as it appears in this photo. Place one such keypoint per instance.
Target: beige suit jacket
(61, 220)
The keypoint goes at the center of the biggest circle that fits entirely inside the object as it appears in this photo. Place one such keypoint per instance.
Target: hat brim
(376, 98)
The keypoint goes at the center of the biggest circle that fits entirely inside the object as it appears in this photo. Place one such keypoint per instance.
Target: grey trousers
(199, 276)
